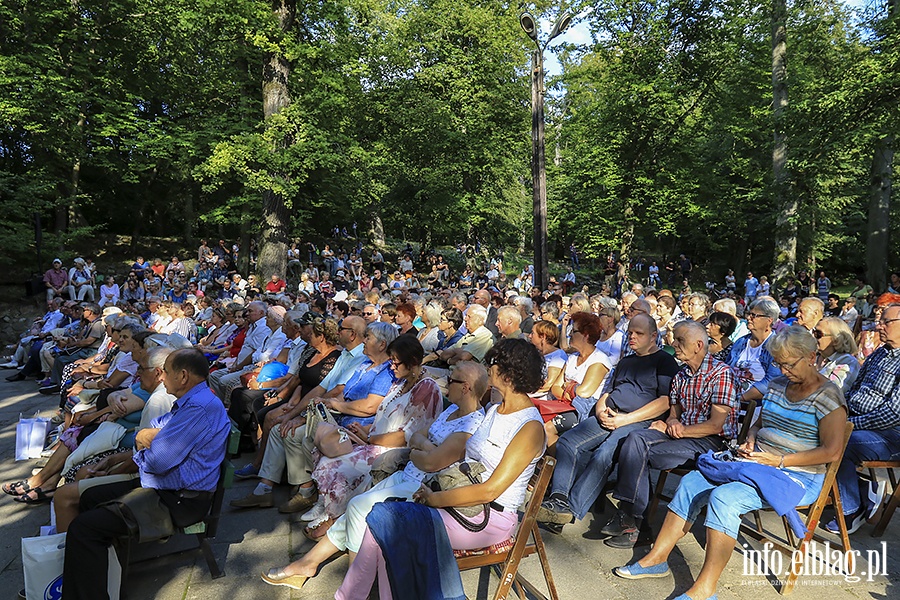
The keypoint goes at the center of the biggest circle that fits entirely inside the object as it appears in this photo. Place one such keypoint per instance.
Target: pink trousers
(370, 561)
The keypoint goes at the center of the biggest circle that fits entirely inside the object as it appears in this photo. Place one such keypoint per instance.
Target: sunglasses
(820, 334)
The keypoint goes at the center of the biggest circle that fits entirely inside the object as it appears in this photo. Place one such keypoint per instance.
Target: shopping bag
(42, 560)
(30, 435)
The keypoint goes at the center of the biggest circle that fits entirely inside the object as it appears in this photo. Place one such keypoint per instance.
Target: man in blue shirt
(178, 457)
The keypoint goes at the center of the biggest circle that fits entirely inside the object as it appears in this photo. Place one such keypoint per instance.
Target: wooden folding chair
(797, 549)
(894, 501)
(510, 557)
(745, 419)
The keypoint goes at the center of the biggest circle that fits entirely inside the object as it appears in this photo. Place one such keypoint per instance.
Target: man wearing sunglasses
(874, 405)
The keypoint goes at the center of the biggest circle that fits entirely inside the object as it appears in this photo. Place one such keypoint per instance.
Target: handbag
(551, 408)
(30, 436)
(461, 474)
(389, 463)
(315, 414)
(42, 561)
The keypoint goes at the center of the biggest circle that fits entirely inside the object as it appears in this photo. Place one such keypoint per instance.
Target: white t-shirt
(441, 429)
(577, 372)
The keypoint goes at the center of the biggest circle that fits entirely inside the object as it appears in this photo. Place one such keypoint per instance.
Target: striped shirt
(789, 427)
(190, 446)
(874, 399)
(696, 393)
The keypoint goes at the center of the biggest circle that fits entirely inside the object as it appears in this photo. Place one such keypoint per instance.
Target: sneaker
(252, 500)
(45, 382)
(314, 514)
(49, 390)
(876, 491)
(554, 528)
(248, 471)
(616, 525)
(636, 571)
(10, 365)
(299, 502)
(853, 522)
(556, 511)
(630, 537)
(17, 377)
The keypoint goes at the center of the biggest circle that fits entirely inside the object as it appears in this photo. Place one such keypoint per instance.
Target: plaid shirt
(713, 383)
(874, 399)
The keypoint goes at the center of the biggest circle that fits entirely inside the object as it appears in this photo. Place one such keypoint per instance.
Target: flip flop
(42, 497)
(279, 577)
(10, 488)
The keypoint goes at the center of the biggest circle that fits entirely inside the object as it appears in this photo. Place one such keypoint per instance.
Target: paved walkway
(252, 541)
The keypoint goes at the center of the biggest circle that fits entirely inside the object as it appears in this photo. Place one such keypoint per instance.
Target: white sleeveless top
(490, 441)
(441, 429)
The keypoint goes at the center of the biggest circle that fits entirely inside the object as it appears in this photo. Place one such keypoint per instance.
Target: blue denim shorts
(726, 503)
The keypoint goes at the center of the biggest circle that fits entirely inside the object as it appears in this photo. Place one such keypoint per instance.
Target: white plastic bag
(30, 436)
(42, 560)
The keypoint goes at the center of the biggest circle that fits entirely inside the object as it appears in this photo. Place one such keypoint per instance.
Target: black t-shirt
(638, 380)
(377, 282)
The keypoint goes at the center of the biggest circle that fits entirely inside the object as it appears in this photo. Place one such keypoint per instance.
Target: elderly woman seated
(797, 433)
(412, 403)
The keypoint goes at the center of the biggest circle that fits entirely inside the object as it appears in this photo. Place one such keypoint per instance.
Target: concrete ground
(250, 542)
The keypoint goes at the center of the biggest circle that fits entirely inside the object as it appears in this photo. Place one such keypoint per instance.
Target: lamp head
(561, 23)
(529, 25)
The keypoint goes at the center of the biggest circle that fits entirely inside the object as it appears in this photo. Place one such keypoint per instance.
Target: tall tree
(276, 97)
(785, 201)
(879, 214)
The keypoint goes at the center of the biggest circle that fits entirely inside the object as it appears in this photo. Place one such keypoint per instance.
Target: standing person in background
(751, 288)
(823, 286)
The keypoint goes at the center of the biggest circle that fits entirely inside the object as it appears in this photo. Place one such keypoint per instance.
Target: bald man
(703, 407)
(637, 393)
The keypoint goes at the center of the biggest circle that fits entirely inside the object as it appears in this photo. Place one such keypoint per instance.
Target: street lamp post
(538, 166)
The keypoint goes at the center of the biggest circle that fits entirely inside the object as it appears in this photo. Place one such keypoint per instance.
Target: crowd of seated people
(352, 388)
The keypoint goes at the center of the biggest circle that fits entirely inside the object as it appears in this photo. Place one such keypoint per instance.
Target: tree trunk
(276, 96)
(785, 202)
(244, 257)
(376, 233)
(878, 238)
(627, 231)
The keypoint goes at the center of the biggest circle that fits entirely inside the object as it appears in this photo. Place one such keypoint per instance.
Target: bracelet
(781, 464)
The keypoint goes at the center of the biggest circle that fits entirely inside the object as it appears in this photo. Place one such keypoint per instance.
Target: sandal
(12, 488)
(42, 497)
(279, 577)
(318, 532)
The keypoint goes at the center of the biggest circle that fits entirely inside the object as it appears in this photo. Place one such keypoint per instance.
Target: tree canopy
(141, 118)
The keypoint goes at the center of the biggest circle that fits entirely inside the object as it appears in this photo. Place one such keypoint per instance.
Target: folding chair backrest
(746, 412)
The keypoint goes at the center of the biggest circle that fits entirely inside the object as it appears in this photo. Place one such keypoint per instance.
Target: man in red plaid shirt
(704, 403)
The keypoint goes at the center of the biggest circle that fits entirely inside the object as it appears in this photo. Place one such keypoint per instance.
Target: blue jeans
(651, 449)
(864, 445)
(584, 459)
(346, 420)
(726, 503)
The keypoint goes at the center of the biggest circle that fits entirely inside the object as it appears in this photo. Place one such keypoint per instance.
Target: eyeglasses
(369, 314)
(885, 322)
(753, 315)
(345, 329)
(820, 334)
(452, 381)
(787, 367)
(575, 331)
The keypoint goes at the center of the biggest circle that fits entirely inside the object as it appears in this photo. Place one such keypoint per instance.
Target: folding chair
(509, 554)
(894, 500)
(745, 419)
(797, 549)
